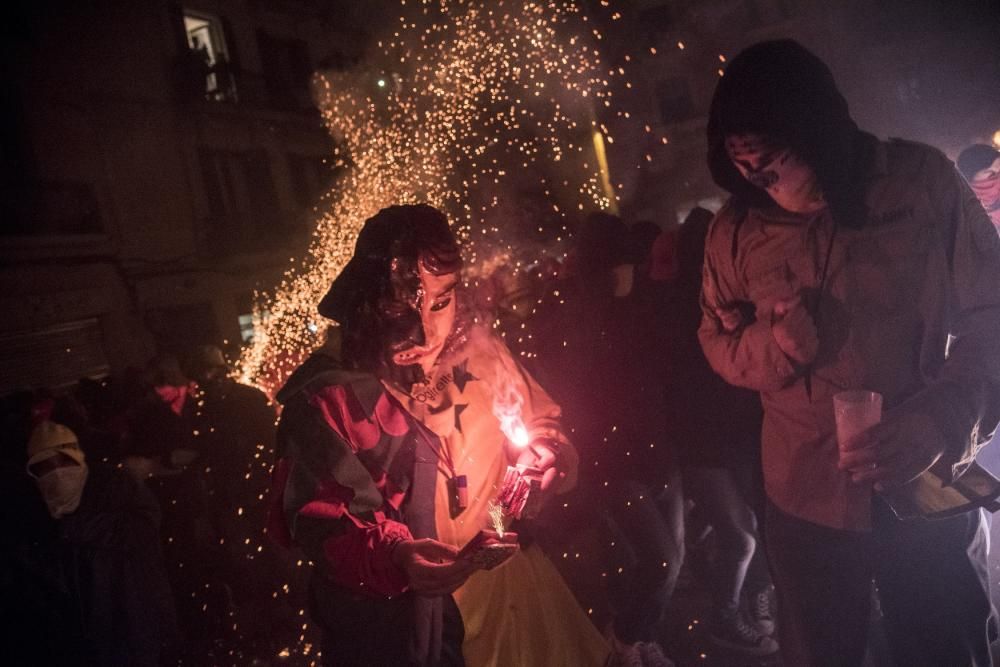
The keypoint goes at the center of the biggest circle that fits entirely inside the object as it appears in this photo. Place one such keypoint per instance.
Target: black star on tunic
(462, 375)
(459, 409)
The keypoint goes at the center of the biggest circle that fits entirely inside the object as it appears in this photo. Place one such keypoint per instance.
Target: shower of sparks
(496, 515)
(460, 101)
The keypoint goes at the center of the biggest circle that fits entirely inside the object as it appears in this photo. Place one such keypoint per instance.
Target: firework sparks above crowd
(456, 98)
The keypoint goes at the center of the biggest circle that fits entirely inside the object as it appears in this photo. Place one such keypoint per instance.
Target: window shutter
(176, 15)
(231, 48)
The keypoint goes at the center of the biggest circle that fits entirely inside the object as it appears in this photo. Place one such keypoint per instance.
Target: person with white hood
(105, 563)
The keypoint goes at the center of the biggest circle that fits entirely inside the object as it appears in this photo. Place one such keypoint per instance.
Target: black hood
(783, 91)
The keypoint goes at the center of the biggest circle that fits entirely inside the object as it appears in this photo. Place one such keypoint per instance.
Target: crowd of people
(668, 402)
(134, 514)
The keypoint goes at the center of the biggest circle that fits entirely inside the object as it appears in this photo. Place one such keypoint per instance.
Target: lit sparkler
(459, 99)
(496, 514)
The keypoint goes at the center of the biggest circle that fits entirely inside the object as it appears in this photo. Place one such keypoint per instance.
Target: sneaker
(761, 613)
(733, 632)
(653, 655)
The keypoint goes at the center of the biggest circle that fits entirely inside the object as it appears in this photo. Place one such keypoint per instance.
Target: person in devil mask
(980, 165)
(844, 262)
(390, 451)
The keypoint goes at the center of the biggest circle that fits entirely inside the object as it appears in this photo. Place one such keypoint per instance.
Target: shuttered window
(52, 357)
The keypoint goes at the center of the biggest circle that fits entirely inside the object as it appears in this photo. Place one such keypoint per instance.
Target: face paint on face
(430, 319)
(777, 170)
(985, 184)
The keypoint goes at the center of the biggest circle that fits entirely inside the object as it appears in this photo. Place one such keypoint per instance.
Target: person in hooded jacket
(389, 455)
(844, 262)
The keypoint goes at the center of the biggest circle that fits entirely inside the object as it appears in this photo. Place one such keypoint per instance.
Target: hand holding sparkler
(431, 567)
(535, 469)
(488, 549)
(537, 462)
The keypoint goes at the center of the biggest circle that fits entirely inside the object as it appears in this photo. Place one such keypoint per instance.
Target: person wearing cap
(980, 165)
(236, 427)
(375, 449)
(108, 561)
(860, 264)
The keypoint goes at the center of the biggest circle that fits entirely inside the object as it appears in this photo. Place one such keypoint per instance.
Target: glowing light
(496, 515)
(483, 98)
(996, 138)
(507, 402)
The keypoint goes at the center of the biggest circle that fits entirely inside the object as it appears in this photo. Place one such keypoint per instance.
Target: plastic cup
(855, 411)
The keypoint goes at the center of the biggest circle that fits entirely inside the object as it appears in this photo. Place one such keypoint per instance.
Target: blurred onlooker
(596, 354)
(97, 578)
(715, 429)
(236, 426)
(85, 411)
(980, 165)
(639, 244)
(162, 437)
(162, 448)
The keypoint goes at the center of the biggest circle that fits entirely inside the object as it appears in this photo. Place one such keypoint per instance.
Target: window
(55, 356)
(287, 71)
(311, 176)
(245, 319)
(52, 208)
(179, 329)
(713, 204)
(246, 327)
(243, 211)
(207, 64)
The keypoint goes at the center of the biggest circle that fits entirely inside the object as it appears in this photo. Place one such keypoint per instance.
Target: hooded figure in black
(842, 262)
(780, 90)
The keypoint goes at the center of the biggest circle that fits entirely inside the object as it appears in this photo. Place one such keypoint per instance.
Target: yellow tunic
(521, 613)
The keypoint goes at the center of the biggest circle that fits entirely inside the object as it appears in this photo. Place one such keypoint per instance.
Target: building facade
(160, 163)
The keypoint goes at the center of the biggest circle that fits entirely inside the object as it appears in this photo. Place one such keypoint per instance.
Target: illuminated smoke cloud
(459, 104)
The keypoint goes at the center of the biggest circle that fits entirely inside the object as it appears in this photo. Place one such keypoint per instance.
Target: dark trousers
(721, 500)
(649, 547)
(931, 579)
(359, 631)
